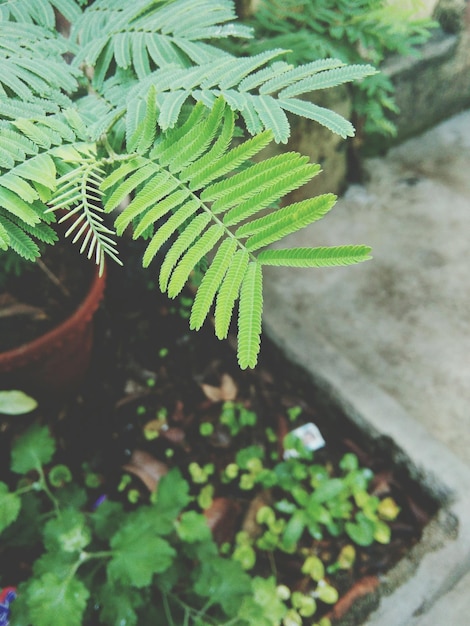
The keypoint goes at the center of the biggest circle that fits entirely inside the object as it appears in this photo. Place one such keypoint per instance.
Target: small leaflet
(310, 435)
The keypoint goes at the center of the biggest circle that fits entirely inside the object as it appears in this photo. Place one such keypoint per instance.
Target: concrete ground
(391, 337)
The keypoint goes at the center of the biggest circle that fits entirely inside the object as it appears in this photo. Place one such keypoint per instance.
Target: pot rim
(45, 343)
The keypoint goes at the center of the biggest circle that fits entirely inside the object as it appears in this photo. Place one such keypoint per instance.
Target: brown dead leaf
(360, 589)
(222, 518)
(250, 525)
(225, 393)
(147, 468)
(11, 307)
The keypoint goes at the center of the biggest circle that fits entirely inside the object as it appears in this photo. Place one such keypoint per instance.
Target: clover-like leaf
(138, 552)
(10, 505)
(16, 402)
(67, 532)
(192, 527)
(32, 450)
(58, 601)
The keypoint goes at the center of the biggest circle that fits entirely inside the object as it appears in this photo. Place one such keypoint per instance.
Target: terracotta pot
(56, 361)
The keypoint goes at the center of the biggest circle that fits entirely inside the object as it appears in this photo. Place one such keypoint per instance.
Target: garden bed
(159, 396)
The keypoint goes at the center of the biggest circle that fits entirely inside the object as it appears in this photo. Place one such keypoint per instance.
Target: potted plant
(139, 121)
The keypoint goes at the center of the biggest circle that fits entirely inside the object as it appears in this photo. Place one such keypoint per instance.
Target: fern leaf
(171, 224)
(17, 145)
(229, 292)
(175, 134)
(301, 214)
(231, 160)
(171, 108)
(328, 78)
(40, 168)
(122, 171)
(144, 134)
(294, 75)
(331, 120)
(6, 159)
(42, 232)
(16, 206)
(211, 282)
(251, 117)
(19, 241)
(220, 146)
(162, 208)
(285, 183)
(245, 67)
(153, 191)
(4, 238)
(140, 58)
(36, 134)
(262, 76)
(315, 257)
(20, 187)
(249, 316)
(129, 185)
(251, 181)
(182, 243)
(162, 51)
(273, 117)
(187, 263)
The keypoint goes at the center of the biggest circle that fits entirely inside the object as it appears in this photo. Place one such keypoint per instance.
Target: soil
(150, 373)
(45, 294)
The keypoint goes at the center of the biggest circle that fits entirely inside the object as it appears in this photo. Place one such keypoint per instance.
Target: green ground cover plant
(138, 120)
(112, 561)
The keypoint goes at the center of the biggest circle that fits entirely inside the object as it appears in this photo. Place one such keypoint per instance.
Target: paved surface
(404, 317)
(390, 338)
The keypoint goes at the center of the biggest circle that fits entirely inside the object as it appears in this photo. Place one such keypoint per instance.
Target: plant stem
(52, 277)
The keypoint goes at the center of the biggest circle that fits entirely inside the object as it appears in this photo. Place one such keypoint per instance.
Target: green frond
(4, 238)
(182, 243)
(19, 186)
(293, 75)
(316, 207)
(286, 182)
(331, 120)
(14, 237)
(129, 185)
(315, 257)
(231, 160)
(39, 12)
(16, 145)
(252, 119)
(155, 189)
(245, 66)
(144, 133)
(15, 205)
(251, 181)
(211, 282)
(122, 171)
(300, 215)
(262, 76)
(272, 116)
(40, 169)
(229, 292)
(188, 262)
(195, 169)
(328, 78)
(162, 208)
(170, 108)
(79, 192)
(249, 316)
(42, 231)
